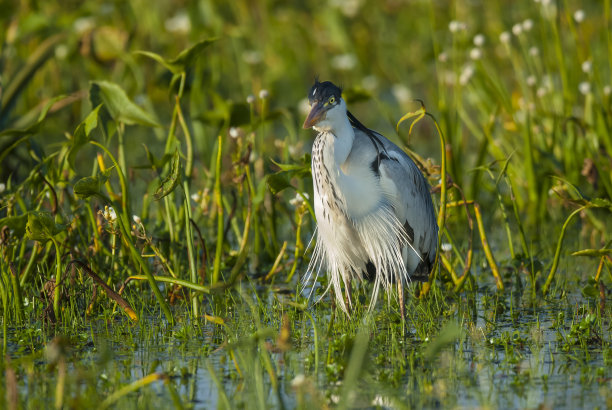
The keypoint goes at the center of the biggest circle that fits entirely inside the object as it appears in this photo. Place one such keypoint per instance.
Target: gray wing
(409, 192)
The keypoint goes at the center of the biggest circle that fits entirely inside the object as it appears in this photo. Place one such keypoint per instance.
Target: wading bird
(375, 216)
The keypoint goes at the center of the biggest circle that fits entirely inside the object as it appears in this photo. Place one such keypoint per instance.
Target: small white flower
(531, 80)
(607, 90)
(443, 57)
(534, 51)
(137, 219)
(541, 92)
(344, 62)
(298, 199)
(250, 99)
(479, 40)
(584, 87)
(426, 339)
(455, 26)
(504, 37)
(26, 302)
(466, 75)
(587, 66)
(2, 187)
(517, 29)
(110, 214)
(179, 24)
(196, 197)
(401, 93)
(83, 25)
(234, 132)
(579, 16)
(527, 25)
(298, 380)
(475, 54)
(446, 247)
(263, 94)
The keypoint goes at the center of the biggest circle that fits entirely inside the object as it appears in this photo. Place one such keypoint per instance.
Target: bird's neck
(339, 140)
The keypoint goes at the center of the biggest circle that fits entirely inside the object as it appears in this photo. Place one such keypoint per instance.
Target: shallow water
(509, 354)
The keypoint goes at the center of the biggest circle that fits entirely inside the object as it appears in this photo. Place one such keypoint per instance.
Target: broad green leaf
(41, 226)
(184, 60)
(175, 69)
(89, 186)
(590, 291)
(118, 104)
(172, 180)
(16, 223)
(278, 182)
(188, 57)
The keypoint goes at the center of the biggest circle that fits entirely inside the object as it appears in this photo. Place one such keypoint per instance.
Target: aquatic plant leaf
(118, 104)
(189, 56)
(184, 60)
(278, 182)
(89, 186)
(172, 180)
(41, 226)
(16, 223)
(590, 291)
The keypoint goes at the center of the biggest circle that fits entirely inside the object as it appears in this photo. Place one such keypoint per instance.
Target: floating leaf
(118, 104)
(89, 186)
(172, 180)
(41, 226)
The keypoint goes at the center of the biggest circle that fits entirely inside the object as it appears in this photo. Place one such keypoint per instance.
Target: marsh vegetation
(155, 206)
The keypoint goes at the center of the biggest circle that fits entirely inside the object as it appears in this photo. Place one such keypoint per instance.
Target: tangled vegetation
(155, 206)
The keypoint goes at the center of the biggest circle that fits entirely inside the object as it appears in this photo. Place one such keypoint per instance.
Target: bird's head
(327, 108)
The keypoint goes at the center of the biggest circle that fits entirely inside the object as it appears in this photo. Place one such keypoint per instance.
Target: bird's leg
(400, 295)
(349, 294)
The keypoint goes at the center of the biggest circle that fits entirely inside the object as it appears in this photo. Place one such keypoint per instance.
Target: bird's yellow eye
(332, 99)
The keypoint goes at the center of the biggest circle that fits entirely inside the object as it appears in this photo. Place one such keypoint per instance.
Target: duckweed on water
(155, 212)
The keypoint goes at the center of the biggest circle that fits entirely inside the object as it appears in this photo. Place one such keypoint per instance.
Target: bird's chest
(330, 203)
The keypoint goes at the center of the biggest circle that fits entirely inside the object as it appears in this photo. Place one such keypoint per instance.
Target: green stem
(555, 264)
(124, 225)
(192, 264)
(58, 277)
(219, 203)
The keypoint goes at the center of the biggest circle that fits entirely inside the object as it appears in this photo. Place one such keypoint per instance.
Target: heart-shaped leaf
(118, 104)
(41, 226)
(89, 186)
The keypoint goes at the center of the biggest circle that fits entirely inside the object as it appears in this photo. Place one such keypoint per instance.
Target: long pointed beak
(314, 116)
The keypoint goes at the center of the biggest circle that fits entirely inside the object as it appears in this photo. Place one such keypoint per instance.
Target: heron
(375, 216)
